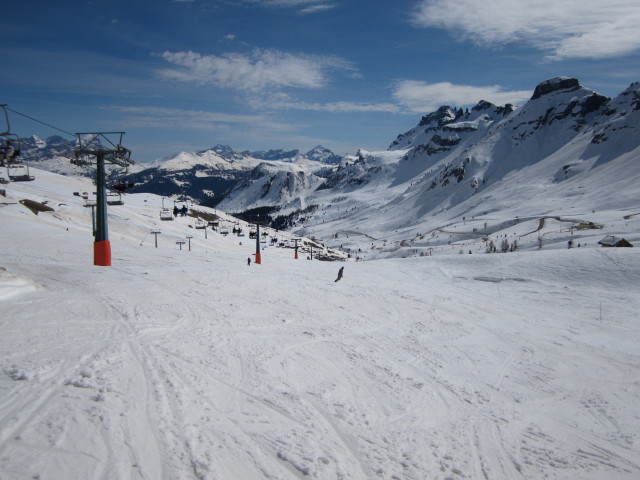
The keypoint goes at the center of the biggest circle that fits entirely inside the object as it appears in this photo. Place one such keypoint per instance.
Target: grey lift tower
(90, 150)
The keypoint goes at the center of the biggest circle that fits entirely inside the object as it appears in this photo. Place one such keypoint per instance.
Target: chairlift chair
(9, 142)
(19, 172)
(114, 198)
(200, 224)
(9, 150)
(166, 214)
(123, 186)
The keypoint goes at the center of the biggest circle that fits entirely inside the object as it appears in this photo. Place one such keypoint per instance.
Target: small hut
(612, 241)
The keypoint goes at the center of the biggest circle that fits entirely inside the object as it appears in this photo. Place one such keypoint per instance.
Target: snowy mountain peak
(323, 155)
(38, 142)
(440, 130)
(630, 98)
(482, 105)
(224, 151)
(445, 114)
(555, 84)
(277, 154)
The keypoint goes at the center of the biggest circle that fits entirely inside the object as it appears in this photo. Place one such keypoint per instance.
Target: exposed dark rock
(555, 85)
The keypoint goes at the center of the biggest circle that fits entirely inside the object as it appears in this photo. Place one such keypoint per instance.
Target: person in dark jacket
(340, 273)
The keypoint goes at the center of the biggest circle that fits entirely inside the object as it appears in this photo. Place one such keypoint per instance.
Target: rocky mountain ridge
(566, 142)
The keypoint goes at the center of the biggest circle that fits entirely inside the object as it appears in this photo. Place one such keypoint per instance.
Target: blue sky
(184, 75)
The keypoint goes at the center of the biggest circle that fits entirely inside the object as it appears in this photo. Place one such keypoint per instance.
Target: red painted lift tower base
(102, 253)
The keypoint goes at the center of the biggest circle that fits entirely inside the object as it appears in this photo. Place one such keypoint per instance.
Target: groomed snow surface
(178, 364)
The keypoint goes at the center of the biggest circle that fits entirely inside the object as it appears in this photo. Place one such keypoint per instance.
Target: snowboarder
(249, 261)
(340, 272)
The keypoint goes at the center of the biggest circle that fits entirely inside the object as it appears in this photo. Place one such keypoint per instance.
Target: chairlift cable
(40, 121)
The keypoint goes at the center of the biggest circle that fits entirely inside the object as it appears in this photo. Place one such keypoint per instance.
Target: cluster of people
(180, 211)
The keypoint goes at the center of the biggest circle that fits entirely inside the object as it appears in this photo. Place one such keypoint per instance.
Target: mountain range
(185, 359)
(188, 359)
(566, 143)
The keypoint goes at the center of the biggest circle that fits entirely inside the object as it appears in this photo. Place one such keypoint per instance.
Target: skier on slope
(340, 273)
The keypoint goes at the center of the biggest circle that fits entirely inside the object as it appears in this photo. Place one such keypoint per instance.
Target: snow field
(180, 365)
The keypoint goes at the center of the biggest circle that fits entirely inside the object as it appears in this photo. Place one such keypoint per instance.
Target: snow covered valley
(178, 364)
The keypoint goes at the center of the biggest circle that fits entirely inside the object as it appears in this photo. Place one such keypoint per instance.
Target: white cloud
(260, 70)
(317, 8)
(158, 117)
(308, 6)
(561, 28)
(282, 101)
(423, 97)
(285, 3)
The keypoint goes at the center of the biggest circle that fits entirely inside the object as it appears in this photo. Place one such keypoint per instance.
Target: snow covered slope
(286, 185)
(457, 182)
(190, 364)
(566, 152)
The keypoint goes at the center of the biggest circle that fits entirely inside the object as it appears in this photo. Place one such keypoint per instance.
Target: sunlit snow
(180, 364)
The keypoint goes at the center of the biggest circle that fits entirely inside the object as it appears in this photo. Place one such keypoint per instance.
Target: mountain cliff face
(271, 185)
(484, 145)
(567, 143)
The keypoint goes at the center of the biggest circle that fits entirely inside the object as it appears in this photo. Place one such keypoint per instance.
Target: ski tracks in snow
(368, 379)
